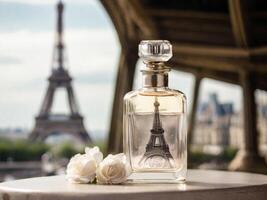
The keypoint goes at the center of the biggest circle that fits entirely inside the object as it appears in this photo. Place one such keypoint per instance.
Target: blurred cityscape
(219, 125)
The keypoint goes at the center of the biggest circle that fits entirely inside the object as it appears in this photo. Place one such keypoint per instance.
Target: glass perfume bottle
(154, 121)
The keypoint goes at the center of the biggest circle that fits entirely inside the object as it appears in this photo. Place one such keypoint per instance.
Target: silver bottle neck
(155, 75)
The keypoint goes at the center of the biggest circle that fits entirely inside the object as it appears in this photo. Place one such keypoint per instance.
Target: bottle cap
(155, 50)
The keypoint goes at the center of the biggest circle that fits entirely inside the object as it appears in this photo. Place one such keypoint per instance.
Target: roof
(215, 39)
(215, 108)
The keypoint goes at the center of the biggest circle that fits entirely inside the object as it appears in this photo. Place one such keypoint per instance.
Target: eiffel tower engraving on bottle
(154, 121)
(157, 148)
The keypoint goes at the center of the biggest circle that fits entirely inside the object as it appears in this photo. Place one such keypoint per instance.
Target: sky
(27, 41)
(27, 35)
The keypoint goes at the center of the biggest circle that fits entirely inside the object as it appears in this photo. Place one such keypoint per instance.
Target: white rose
(114, 169)
(94, 152)
(82, 167)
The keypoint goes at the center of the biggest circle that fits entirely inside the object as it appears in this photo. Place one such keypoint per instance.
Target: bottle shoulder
(160, 92)
(131, 94)
(178, 93)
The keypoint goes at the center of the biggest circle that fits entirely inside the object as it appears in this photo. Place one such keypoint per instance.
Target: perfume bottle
(154, 121)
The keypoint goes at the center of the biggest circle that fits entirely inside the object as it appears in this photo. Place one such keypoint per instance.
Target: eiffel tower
(157, 150)
(46, 123)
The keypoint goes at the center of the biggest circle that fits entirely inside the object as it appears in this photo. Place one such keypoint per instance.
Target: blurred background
(219, 63)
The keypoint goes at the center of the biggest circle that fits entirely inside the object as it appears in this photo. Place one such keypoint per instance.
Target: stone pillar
(248, 159)
(124, 83)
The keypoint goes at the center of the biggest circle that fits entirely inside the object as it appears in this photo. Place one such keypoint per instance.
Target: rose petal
(82, 167)
(114, 169)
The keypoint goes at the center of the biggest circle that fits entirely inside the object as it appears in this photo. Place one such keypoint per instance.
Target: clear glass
(155, 50)
(155, 134)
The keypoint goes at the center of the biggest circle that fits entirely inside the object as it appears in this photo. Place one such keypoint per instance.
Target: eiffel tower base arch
(45, 127)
